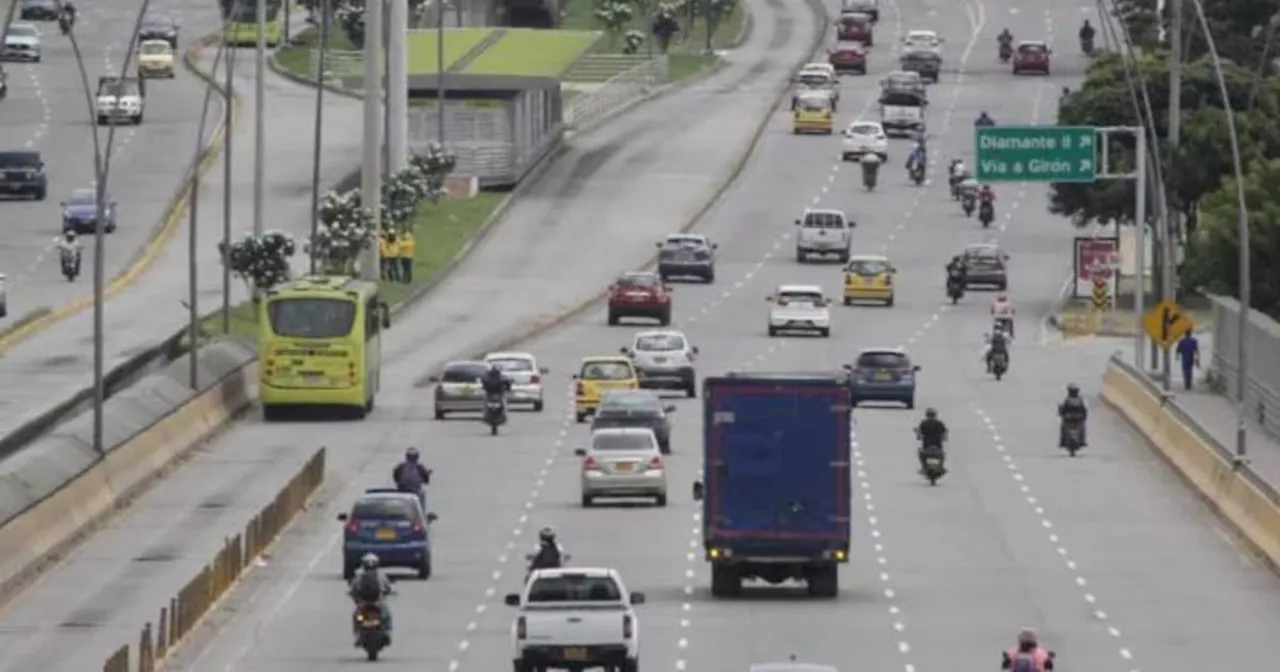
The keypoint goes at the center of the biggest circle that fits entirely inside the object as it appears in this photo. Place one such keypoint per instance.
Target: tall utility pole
(440, 68)
(397, 87)
(228, 151)
(1172, 220)
(371, 165)
(260, 117)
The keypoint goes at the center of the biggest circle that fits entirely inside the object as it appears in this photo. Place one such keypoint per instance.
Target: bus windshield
(246, 11)
(311, 318)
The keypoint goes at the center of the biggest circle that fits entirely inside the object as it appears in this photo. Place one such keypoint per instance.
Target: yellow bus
(319, 344)
(241, 17)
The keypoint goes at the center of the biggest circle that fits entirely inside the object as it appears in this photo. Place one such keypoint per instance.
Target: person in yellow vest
(406, 248)
(387, 255)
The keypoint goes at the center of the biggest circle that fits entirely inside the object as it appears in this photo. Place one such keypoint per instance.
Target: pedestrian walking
(406, 247)
(1188, 350)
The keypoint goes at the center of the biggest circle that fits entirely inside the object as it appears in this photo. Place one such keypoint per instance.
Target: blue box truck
(776, 487)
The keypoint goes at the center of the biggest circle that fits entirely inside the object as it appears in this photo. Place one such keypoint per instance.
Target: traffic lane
(28, 109)
(293, 614)
(144, 158)
(100, 594)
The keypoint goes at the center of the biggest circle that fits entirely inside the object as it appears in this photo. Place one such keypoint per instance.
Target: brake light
(271, 367)
(656, 462)
(582, 389)
(589, 463)
(626, 626)
(888, 281)
(351, 371)
(535, 379)
(417, 526)
(353, 526)
(521, 629)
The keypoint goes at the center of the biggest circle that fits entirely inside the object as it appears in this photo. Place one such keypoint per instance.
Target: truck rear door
(778, 461)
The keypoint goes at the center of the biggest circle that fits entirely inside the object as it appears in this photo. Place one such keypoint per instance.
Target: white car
(664, 360)
(522, 369)
(865, 137)
(820, 67)
(22, 43)
(922, 39)
(120, 99)
(799, 308)
(823, 232)
(575, 618)
(623, 462)
(809, 81)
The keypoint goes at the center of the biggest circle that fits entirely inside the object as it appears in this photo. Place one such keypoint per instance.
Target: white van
(824, 232)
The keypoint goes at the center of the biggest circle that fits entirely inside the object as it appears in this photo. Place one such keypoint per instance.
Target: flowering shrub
(262, 262)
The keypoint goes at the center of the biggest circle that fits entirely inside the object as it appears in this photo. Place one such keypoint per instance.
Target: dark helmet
(411, 454)
(547, 535)
(1027, 638)
(931, 414)
(1073, 390)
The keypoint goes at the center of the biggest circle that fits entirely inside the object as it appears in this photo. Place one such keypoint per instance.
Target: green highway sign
(1036, 153)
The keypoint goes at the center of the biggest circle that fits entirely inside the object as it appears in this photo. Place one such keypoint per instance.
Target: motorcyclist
(1002, 311)
(987, 195)
(932, 433)
(957, 272)
(986, 204)
(997, 342)
(369, 586)
(919, 157)
(1086, 32)
(549, 554)
(870, 168)
(410, 476)
(494, 382)
(1027, 656)
(69, 248)
(66, 17)
(1005, 38)
(968, 192)
(984, 120)
(1072, 412)
(957, 172)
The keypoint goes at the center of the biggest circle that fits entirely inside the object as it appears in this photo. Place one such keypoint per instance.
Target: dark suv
(22, 174)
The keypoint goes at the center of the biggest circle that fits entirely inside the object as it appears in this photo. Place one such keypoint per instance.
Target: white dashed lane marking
(1055, 537)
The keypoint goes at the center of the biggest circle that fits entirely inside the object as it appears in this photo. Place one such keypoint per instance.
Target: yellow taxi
(868, 277)
(155, 59)
(599, 375)
(813, 112)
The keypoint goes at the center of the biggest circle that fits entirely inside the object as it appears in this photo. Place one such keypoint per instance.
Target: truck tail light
(589, 464)
(627, 627)
(535, 379)
(521, 628)
(582, 389)
(656, 462)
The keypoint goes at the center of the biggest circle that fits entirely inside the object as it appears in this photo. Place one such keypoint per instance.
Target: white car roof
(659, 332)
(509, 355)
(922, 33)
(823, 211)
(600, 572)
(866, 123)
(818, 65)
(799, 289)
(1033, 43)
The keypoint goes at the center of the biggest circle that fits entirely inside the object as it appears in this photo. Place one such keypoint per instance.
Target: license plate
(624, 467)
(883, 376)
(575, 653)
(313, 377)
(386, 533)
(371, 622)
(933, 462)
(659, 360)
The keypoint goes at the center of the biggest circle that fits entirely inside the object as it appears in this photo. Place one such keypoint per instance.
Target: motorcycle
(917, 174)
(986, 214)
(371, 636)
(968, 201)
(1072, 437)
(933, 465)
(495, 413)
(955, 179)
(1086, 46)
(955, 289)
(999, 364)
(869, 173)
(1005, 324)
(1006, 52)
(70, 265)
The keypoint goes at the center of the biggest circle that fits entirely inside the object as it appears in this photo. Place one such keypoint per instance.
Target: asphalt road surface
(1108, 555)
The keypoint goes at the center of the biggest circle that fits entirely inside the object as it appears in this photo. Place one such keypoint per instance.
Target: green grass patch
(529, 52)
(295, 58)
(422, 48)
(690, 41)
(441, 231)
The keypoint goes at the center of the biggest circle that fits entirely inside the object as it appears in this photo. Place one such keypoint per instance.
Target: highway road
(1108, 555)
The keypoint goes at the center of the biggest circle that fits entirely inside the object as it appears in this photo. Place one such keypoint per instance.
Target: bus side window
(372, 321)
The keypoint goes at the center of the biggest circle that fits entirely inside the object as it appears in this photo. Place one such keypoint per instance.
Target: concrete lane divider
(186, 610)
(59, 489)
(168, 226)
(1238, 495)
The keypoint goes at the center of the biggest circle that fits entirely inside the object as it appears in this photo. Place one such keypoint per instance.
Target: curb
(168, 226)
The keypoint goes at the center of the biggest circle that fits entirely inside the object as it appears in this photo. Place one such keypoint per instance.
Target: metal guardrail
(619, 91)
(339, 66)
(1170, 403)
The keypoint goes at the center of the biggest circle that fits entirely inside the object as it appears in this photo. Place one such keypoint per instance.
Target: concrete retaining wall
(1262, 343)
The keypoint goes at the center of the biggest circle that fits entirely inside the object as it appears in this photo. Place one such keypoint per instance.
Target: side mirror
(695, 350)
(847, 367)
(797, 222)
(669, 409)
(715, 246)
(624, 351)
(433, 379)
(637, 598)
(658, 244)
(574, 376)
(431, 518)
(512, 600)
(697, 491)
(62, 203)
(544, 370)
(916, 368)
(580, 452)
(343, 517)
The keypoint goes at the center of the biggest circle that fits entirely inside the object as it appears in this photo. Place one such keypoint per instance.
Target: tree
(433, 166)
(1238, 26)
(715, 11)
(261, 262)
(632, 40)
(1215, 266)
(613, 15)
(665, 24)
(346, 229)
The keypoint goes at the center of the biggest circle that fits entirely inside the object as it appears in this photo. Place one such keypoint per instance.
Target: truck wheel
(825, 582)
(631, 665)
(613, 319)
(725, 582)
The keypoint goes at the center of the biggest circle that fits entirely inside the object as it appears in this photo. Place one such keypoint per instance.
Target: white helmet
(370, 561)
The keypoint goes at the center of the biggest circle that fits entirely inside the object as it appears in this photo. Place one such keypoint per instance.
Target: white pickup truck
(575, 619)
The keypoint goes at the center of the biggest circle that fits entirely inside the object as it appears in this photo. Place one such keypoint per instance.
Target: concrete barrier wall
(1236, 493)
(1262, 395)
(59, 488)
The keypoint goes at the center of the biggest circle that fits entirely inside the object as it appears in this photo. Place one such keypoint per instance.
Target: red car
(855, 26)
(1031, 57)
(639, 295)
(848, 57)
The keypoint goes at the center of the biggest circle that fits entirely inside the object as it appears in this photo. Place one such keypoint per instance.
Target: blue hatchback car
(391, 525)
(883, 374)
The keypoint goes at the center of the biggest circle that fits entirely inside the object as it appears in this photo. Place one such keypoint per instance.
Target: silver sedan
(458, 388)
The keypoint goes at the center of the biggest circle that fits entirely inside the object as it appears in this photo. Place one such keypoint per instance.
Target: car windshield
(868, 266)
(882, 360)
(659, 342)
(799, 297)
(638, 282)
(904, 79)
(922, 37)
(19, 159)
(823, 220)
(19, 30)
(630, 403)
(383, 508)
(82, 197)
(633, 441)
(865, 129)
(513, 364)
(855, 19)
(814, 79)
(607, 371)
(986, 255)
(901, 98)
(678, 241)
(1032, 49)
(154, 48)
(814, 103)
(574, 588)
(463, 373)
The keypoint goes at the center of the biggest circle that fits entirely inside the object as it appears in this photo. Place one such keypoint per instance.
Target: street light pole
(318, 138)
(260, 118)
(1242, 232)
(227, 153)
(1173, 216)
(371, 165)
(441, 6)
